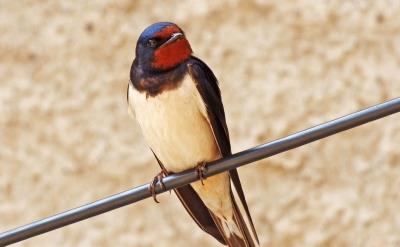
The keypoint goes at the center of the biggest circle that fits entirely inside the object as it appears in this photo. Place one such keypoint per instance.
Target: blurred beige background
(66, 138)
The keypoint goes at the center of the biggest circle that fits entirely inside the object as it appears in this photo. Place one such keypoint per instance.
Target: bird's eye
(151, 43)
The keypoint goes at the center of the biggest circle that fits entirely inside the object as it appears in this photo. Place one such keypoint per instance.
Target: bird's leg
(157, 179)
(201, 168)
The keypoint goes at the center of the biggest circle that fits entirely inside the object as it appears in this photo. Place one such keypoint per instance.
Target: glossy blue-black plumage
(151, 30)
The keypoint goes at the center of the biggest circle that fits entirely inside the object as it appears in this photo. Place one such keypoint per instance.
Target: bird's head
(162, 46)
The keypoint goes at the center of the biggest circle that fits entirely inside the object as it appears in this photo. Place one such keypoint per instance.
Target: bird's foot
(201, 168)
(158, 179)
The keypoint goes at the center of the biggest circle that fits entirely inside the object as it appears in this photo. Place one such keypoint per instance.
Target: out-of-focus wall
(66, 137)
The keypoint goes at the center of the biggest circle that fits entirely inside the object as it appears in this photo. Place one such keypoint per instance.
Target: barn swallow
(177, 102)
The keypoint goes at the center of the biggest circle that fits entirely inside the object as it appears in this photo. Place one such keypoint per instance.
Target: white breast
(175, 126)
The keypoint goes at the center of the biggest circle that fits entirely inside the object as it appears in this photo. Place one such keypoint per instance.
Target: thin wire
(181, 179)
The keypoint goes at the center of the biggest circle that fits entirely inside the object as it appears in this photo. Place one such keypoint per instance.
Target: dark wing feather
(198, 211)
(207, 84)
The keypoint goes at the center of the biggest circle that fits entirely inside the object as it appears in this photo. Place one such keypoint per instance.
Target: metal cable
(215, 167)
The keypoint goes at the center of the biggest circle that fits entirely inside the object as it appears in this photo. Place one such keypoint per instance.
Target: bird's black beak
(174, 36)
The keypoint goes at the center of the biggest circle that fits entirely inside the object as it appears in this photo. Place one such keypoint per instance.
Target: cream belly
(175, 126)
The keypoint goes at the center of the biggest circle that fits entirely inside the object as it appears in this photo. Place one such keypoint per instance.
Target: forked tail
(238, 231)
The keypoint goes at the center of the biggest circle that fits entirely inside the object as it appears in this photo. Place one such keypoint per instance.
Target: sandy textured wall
(66, 137)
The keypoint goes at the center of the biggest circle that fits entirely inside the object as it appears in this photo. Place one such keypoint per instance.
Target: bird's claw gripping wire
(201, 168)
(157, 180)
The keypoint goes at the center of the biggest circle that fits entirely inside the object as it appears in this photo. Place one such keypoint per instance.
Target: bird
(176, 100)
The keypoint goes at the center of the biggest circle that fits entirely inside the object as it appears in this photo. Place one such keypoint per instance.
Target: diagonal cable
(176, 180)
